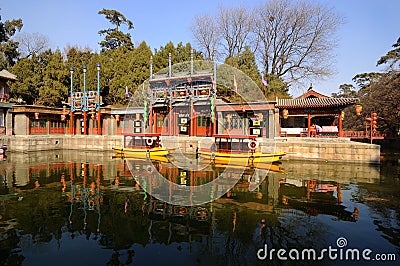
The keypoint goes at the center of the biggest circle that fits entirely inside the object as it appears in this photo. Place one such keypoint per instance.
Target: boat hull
(141, 153)
(242, 158)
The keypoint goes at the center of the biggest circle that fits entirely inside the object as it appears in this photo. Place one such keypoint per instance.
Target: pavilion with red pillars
(300, 116)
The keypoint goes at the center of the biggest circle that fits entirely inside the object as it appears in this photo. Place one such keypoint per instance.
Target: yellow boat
(240, 150)
(147, 145)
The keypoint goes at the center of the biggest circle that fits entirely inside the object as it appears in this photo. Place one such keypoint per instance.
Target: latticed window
(236, 123)
(226, 123)
(201, 121)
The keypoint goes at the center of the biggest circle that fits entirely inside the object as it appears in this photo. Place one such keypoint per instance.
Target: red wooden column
(84, 123)
(71, 123)
(98, 122)
(150, 117)
(308, 124)
(192, 120)
(340, 133)
(170, 117)
(155, 120)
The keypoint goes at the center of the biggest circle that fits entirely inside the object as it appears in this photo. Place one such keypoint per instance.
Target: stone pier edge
(316, 149)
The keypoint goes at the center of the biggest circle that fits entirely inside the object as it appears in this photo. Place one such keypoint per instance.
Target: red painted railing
(57, 130)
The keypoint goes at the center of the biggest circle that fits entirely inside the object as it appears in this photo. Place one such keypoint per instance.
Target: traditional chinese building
(43, 120)
(186, 103)
(299, 116)
(181, 103)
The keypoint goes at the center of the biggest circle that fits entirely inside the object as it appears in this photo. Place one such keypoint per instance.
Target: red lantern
(374, 122)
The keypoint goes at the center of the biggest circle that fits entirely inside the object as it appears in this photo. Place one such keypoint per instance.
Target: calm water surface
(78, 208)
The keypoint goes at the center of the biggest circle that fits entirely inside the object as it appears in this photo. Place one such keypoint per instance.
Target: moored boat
(238, 150)
(146, 145)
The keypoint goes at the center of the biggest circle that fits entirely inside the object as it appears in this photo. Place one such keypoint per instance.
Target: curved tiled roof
(315, 102)
(312, 94)
(7, 75)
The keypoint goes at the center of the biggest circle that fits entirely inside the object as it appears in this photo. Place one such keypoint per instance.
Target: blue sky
(371, 27)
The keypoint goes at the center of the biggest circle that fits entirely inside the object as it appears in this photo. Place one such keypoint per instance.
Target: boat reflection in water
(88, 203)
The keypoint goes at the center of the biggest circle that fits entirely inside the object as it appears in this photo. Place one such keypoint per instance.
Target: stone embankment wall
(43, 143)
(317, 149)
(329, 149)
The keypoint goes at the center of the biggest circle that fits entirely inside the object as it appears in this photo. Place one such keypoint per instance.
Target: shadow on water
(56, 206)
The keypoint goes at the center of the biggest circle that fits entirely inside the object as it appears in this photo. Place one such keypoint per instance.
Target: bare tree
(32, 43)
(235, 26)
(205, 31)
(296, 39)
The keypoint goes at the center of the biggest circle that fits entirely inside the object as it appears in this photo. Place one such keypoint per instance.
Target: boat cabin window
(232, 144)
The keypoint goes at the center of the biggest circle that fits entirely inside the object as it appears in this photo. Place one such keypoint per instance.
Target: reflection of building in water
(314, 197)
(181, 222)
(291, 192)
(289, 187)
(155, 175)
(340, 172)
(84, 197)
(292, 196)
(22, 170)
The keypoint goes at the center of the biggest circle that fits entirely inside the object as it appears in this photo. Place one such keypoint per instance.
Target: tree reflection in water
(91, 205)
